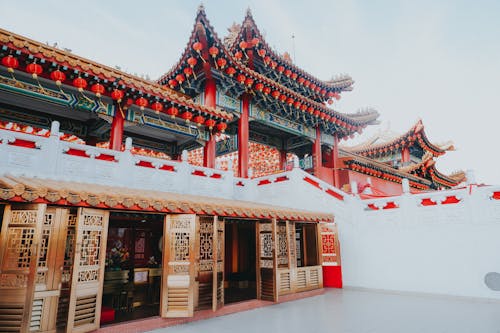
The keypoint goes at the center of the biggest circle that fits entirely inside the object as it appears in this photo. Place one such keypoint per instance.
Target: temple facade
(221, 182)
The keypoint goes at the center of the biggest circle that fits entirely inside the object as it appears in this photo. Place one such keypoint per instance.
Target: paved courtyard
(356, 311)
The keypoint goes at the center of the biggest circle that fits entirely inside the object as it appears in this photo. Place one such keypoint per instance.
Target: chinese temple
(220, 183)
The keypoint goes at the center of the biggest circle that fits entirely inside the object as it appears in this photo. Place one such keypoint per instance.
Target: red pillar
(210, 100)
(335, 161)
(116, 136)
(282, 159)
(317, 160)
(405, 155)
(243, 130)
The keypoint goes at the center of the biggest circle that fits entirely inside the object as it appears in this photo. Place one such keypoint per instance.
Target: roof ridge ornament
(201, 7)
(249, 11)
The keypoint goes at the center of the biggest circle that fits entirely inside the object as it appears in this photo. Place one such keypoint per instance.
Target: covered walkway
(356, 311)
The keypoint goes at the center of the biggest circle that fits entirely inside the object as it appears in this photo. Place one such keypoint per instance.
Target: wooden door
(178, 266)
(19, 247)
(218, 271)
(84, 311)
(204, 262)
(266, 253)
(49, 270)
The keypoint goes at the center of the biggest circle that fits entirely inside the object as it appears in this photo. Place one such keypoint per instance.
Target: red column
(282, 159)
(243, 137)
(210, 100)
(116, 136)
(405, 155)
(335, 161)
(317, 160)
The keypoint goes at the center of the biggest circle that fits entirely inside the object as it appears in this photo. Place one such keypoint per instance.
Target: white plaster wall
(444, 249)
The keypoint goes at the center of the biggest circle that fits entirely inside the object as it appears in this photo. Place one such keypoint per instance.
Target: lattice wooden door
(19, 246)
(205, 261)
(178, 272)
(218, 271)
(84, 312)
(266, 276)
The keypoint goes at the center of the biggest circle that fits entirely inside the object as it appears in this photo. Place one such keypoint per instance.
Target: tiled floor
(355, 311)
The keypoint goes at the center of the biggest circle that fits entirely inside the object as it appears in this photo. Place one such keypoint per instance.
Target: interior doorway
(240, 261)
(132, 280)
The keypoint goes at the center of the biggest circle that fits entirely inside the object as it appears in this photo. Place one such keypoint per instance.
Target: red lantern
(210, 123)
(259, 86)
(199, 120)
(297, 105)
(172, 83)
(289, 101)
(276, 94)
(141, 102)
(281, 69)
(322, 115)
(301, 80)
(180, 78)
(221, 62)
(303, 107)
(267, 90)
(261, 53)
(188, 71)
(312, 86)
(249, 82)
(330, 101)
(34, 69)
(58, 76)
(117, 95)
(288, 73)
(294, 76)
(307, 83)
(10, 62)
(238, 55)
(274, 64)
(230, 71)
(197, 46)
(310, 110)
(243, 45)
(157, 107)
(172, 111)
(255, 41)
(241, 78)
(192, 61)
(187, 116)
(221, 127)
(97, 89)
(213, 51)
(323, 92)
(80, 83)
(330, 94)
(283, 98)
(267, 60)
(317, 89)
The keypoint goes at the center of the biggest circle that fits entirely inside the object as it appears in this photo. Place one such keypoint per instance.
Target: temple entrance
(240, 261)
(132, 281)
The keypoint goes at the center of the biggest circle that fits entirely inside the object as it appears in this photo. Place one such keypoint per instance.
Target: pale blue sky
(435, 60)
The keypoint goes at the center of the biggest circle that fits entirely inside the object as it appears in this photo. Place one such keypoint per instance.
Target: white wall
(443, 249)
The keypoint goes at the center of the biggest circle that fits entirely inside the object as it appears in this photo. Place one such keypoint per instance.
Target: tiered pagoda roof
(99, 80)
(385, 149)
(278, 86)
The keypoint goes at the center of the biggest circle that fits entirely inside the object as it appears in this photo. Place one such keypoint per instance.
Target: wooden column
(209, 148)
(316, 151)
(335, 161)
(243, 133)
(116, 136)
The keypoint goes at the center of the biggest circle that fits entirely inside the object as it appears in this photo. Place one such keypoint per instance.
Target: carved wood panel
(88, 270)
(179, 258)
(20, 242)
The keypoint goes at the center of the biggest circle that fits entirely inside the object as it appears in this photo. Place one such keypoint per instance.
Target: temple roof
(51, 58)
(248, 30)
(115, 197)
(387, 141)
(206, 56)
